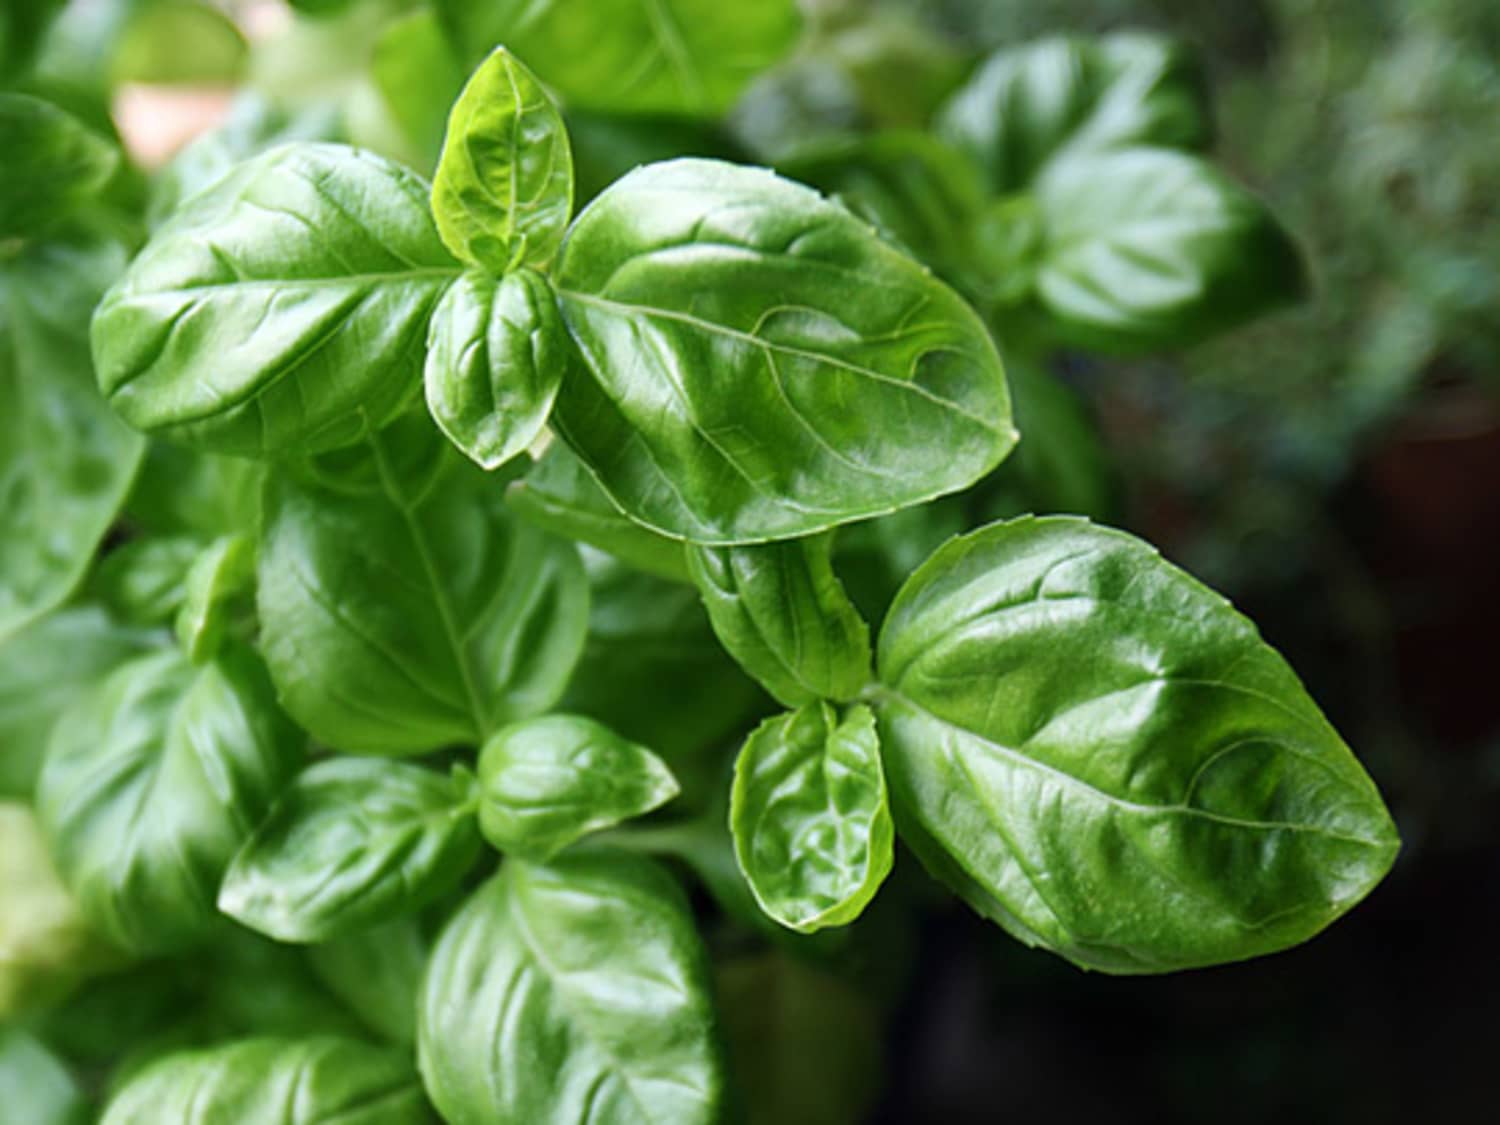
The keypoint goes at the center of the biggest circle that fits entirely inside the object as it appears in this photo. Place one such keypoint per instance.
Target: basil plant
(414, 590)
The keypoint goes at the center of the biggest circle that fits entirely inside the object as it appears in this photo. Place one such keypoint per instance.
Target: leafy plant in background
(467, 520)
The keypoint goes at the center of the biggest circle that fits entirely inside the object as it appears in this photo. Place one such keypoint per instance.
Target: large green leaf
(763, 365)
(151, 784)
(1104, 757)
(1147, 248)
(282, 310)
(571, 993)
(1029, 104)
(268, 1081)
(812, 827)
(632, 56)
(779, 610)
(416, 612)
(351, 843)
(65, 462)
(503, 193)
(54, 164)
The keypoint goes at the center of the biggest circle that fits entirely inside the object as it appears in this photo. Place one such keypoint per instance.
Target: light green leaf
(572, 992)
(1032, 103)
(1104, 757)
(503, 192)
(417, 613)
(377, 973)
(54, 164)
(281, 310)
(268, 1081)
(812, 828)
(495, 359)
(35, 1086)
(222, 571)
(65, 461)
(633, 56)
(151, 784)
(763, 364)
(182, 492)
(561, 496)
(180, 42)
(142, 582)
(780, 611)
(545, 783)
(1145, 248)
(350, 843)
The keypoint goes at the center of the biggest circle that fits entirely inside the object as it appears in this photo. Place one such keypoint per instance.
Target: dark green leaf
(812, 828)
(780, 611)
(350, 843)
(545, 783)
(495, 358)
(182, 492)
(1104, 757)
(570, 993)
(283, 310)
(22, 26)
(503, 193)
(180, 42)
(151, 784)
(763, 364)
(377, 973)
(54, 164)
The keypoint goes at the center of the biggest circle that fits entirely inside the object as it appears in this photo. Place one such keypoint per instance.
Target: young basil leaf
(45, 668)
(812, 829)
(350, 843)
(763, 364)
(377, 973)
(780, 611)
(1146, 248)
(1104, 757)
(222, 571)
(545, 783)
(271, 1081)
(1029, 104)
(569, 993)
(54, 164)
(281, 310)
(503, 193)
(141, 582)
(496, 354)
(561, 496)
(151, 784)
(65, 460)
(416, 615)
(35, 1085)
(669, 56)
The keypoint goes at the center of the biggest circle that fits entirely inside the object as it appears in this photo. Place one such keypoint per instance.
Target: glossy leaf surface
(283, 310)
(780, 611)
(151, 784)
(1146, 248)
(54, 164)
(547, 782)
(267, 1081)
(351, 843)
(495, 359)
(812, 826)
(763, 364)
(569, 993)
(1104, 757)
(415, 612)
(503, 193)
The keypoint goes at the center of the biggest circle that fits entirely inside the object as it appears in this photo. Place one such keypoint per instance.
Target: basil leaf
(180, 492)
(495, 359)
(666, 56)
(54, 164)
(352, 842)
(23, 25)
(560, 495)
(503, 192)
(417, 75)
(35, 1086)
(283, 309)
(223, 570)
(65, 460)
(545, 783)
(1029, 104)
(1104, 757)
(780, 611)
(415, 615)
(763, 364)
(151, 784)
(270, 1081)
(377, 973)
(141, 582)
(572, 992)
(812, 829)
(1146, 248)
(179, 43)
(45, 668)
